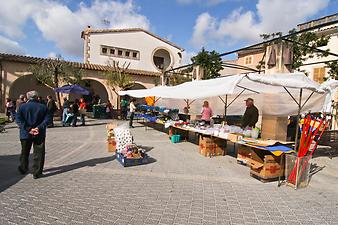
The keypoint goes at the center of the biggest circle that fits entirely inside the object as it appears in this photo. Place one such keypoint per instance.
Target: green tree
(118, 78)
(56, 72)
(333, 72)
(303, 46)
(211, 62)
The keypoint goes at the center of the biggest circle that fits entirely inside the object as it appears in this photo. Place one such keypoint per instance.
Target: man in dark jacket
(51, 107)
(250, 117)
(65, 107)
(32, 118)
(75, 110)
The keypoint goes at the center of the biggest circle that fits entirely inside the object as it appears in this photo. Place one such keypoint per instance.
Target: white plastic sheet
(269, 91)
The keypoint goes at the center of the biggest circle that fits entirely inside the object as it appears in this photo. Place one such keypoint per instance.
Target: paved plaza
(84, 184)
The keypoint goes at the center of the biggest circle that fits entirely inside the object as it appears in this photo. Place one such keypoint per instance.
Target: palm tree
(118, 78)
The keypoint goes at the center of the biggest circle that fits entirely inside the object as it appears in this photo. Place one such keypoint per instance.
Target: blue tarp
(75, 89)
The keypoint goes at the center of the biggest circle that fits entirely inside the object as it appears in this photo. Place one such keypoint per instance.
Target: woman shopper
(132, 109)
(206, 113)
(82, 110)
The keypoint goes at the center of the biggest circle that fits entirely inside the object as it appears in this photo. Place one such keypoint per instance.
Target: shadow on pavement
(67, 168)
(9, 174)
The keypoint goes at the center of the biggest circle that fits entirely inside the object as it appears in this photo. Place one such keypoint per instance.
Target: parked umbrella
(75, 89)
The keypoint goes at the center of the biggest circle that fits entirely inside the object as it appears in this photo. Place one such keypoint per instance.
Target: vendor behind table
(250, 117)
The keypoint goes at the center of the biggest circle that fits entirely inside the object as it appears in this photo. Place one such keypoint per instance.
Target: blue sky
(47, 27)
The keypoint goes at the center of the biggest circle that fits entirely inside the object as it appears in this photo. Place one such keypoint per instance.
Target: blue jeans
(64, 115)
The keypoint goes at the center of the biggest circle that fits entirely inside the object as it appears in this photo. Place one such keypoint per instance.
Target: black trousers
(83, 121)
(131, 119)
(38, 154)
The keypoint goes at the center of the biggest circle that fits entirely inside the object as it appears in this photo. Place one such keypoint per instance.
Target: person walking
(51, 106)
(124, 108)
(10, 110)
(75, 110)
(32, 119)
(65, 107)
(132, 109)
(82, 111)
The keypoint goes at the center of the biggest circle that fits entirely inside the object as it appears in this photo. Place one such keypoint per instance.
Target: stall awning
(257, 83)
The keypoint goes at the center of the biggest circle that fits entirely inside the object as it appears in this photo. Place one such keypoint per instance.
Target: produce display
(156, 113)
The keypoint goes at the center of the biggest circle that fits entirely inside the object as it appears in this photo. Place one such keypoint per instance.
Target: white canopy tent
(275, 93)
(295, 87)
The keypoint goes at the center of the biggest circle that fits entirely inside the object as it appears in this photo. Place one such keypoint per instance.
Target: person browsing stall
(132, 109)
(206, 113)
(250, 117)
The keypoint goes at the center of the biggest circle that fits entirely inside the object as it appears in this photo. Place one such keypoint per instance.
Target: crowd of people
(71, 110)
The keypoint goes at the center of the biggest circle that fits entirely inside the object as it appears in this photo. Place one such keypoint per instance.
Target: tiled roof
(87, 66)
(89, 30)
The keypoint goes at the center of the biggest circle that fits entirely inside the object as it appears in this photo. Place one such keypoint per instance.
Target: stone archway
(137, 86)
(27, 83)
(96, 88)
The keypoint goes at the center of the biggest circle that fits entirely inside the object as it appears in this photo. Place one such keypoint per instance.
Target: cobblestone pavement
(84, 184)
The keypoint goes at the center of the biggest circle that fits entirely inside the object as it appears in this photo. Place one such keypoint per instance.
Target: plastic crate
(126, 162)
(175, 138)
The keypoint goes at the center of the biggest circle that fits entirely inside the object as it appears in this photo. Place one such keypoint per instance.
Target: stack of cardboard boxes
(211, 146)
(111, 144)
(263, 164)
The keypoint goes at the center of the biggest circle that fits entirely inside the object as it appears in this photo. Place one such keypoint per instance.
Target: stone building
(16, 79)
(138, 48)
(144, 54)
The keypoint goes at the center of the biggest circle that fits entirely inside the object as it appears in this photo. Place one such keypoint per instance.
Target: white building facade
(138, 48)
(312, 66)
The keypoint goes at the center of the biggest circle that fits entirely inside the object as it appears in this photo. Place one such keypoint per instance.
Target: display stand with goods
(132, 156)
(128, 153)
(156, 114)
(298, 166)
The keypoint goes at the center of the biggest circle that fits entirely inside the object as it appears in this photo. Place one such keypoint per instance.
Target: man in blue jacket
(32, 118)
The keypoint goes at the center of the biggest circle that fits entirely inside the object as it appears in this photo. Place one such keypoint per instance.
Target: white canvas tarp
(269, 93)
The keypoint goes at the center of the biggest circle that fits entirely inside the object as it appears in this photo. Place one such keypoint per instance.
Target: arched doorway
(97, 91)
(27, 83)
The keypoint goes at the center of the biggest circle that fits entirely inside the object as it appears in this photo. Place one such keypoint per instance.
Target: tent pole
(225, 108)
(298, 117)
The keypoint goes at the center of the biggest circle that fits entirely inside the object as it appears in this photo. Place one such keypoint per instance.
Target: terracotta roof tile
(88, 66)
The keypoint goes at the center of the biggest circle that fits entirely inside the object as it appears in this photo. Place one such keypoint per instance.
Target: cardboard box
(274, 127)
(111, 126)
(246, 155)
(211, 147)
(234, 137)
(111, 145)
(269, 169)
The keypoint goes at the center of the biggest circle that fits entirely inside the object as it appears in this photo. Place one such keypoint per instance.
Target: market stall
(279, 94)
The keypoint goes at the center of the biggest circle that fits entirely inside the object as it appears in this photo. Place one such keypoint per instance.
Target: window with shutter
(319, 74)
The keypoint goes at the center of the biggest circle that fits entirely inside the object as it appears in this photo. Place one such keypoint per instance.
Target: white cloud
(61, 25)
(186, 57)
(14, 14)
(10, 46)
(206, 2)
(52, 55)
(271, 16)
